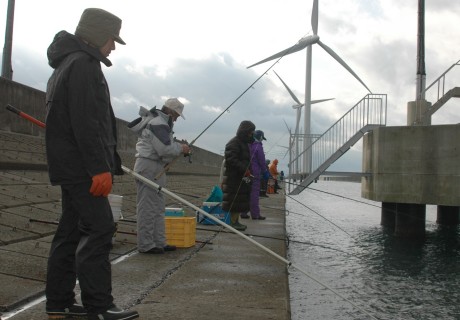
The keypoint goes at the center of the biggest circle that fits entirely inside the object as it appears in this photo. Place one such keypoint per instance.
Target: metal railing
(370, 112)
(437, 89)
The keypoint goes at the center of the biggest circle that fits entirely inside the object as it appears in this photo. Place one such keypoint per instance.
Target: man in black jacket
(81, 151)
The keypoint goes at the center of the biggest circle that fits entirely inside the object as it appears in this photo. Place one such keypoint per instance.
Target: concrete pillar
(416, 111)
(448, 215)
(388, 218)
(410, 220)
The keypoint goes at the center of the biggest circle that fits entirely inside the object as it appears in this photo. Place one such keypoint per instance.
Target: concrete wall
(32, 102)
(27, 99)
(417, 164)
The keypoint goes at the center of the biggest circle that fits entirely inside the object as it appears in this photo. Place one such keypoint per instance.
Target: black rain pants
(80, 250)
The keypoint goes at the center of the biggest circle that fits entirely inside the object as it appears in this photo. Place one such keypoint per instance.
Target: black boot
(114, 313)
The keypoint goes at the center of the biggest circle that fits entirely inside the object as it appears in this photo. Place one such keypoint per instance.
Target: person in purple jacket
(259, 171)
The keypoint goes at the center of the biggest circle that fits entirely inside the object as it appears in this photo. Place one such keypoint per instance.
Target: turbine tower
(307, 42)
(298, 107)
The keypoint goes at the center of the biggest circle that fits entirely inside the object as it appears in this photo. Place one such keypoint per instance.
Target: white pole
(307, 112)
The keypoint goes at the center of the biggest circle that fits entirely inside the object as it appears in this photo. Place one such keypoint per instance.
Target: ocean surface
(336, 237)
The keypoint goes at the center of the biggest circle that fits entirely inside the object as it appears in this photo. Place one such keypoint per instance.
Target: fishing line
(188, 195)
(373, 205)
(223, 224)
(363, 202)
(304, 205)
(288, 240)
(334, 194)
(275, 144)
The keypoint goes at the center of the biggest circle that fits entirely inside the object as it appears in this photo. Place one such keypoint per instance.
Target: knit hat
(97, 26)
(175, 105)
(259, 135)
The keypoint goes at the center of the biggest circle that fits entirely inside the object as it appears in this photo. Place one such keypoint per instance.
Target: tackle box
(174, 212)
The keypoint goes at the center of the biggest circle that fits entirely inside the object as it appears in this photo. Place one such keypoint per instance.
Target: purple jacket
(258, 166)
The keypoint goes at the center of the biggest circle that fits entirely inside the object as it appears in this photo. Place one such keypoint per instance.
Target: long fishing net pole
(223, 224)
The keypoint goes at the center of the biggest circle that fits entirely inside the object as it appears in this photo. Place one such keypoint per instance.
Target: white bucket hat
(175, 105)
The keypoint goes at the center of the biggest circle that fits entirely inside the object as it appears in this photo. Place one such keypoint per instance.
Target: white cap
(176, 105)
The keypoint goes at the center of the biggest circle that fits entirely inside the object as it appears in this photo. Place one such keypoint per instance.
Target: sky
(199, 51)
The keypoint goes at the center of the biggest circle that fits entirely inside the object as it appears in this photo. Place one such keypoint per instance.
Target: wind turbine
(307, 42)
(290, 152)
(298, 107)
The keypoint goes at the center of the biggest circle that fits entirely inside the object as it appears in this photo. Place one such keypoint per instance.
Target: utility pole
(7, 69)
(417, 110)
(421, 73)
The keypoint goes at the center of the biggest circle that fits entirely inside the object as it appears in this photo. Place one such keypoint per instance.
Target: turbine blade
(339, 60)
(321, 100)
(289, 90)
(314, 17)
(303, 43)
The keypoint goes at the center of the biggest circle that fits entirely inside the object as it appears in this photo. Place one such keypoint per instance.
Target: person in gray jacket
(81, 141)
(155, 149)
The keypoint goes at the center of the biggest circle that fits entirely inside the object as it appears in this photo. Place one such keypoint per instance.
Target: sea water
(336, 238)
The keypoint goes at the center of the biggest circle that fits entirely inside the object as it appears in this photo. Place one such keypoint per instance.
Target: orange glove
(102, 184)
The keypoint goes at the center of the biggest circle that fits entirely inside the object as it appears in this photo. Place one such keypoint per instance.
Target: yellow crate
(180, 231)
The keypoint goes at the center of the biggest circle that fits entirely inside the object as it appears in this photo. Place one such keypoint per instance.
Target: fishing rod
(224, 225)
(166, 168)
(9, 107)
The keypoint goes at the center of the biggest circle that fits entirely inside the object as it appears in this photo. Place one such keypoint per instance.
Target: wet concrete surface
(222, 276)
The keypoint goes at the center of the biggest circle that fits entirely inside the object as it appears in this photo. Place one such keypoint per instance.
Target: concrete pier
(410, 220)
(407, 220)
(448, 215)
(388, 218)
(412, 166)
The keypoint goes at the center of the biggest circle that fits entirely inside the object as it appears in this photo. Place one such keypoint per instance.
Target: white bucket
(116, 202)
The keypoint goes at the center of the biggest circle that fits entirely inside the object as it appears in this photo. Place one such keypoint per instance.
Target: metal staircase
(366, 115)
(452, 93)
(436, 90)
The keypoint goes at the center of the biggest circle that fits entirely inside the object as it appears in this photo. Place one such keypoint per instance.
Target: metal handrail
(369, 111)
(441, 82)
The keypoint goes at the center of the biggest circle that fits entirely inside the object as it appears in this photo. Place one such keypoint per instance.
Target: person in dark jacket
(81, 141)
(236, 186)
